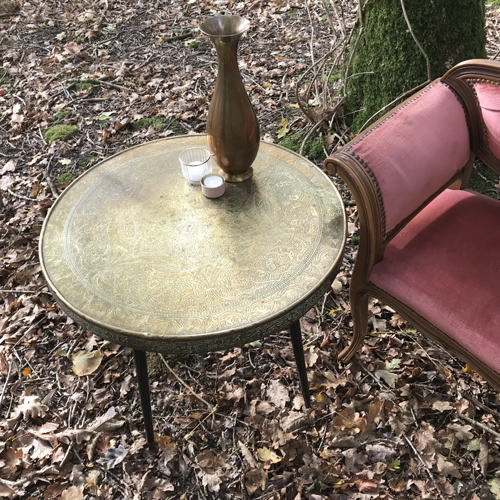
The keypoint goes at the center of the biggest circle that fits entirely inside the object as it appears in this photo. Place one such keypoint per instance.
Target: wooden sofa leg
(359, 311)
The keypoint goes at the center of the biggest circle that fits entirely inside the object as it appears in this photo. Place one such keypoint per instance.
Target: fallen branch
(98, 44)
(210, 407)
(478, 403)
(429, 473)
(188, 436)
(480, 425)
(20, 196)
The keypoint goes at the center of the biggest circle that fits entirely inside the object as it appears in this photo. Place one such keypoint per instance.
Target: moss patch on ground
(66, 178)
(159, 123)
(60, 133)
(313, 149)
(8, 8)
(61, 115)
(76, 86)
(83, 162)
(5, 76)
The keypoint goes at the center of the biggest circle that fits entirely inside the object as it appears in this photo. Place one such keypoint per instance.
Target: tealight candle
(213, 185)
(195, 163)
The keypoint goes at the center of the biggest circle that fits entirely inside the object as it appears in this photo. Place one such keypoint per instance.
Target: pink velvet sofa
(429, 247)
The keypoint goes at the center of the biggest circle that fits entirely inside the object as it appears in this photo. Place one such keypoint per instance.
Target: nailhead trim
(377, 187)
(471, 82)
(390, 116)
(457, 98)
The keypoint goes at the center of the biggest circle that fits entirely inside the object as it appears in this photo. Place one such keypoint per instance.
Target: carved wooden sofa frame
(382, 230)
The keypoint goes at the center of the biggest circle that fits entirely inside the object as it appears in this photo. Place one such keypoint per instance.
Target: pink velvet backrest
(488, 95)
(415, 151)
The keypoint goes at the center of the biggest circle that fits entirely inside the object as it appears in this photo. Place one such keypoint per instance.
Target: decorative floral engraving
(143, 259)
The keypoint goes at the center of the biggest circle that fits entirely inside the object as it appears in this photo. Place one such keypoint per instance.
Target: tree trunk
(388, 62)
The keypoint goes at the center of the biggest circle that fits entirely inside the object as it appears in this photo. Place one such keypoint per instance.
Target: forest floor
(404, 420)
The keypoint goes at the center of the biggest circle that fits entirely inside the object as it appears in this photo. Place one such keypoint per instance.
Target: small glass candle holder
(195, 163)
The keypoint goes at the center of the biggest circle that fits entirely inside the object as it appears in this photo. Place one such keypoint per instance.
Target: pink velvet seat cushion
(416, 150)
(488, 95)
(445, 264)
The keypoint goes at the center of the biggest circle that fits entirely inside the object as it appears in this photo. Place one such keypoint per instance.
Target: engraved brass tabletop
(139, 257)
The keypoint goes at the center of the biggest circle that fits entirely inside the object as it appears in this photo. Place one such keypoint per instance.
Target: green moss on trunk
(450, 31)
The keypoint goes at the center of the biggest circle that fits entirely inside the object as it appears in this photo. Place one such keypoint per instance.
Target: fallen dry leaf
(278, 393)
(30, 407)
(365, 486)
(267, 455)
(86, 363)
(72, 493)
(255, 479)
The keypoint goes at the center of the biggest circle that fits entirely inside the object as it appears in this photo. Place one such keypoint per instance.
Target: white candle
(213, 181)
(196, 170)
(213, 186)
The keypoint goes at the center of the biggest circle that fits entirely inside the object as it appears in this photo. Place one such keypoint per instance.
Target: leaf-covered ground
(404, 420)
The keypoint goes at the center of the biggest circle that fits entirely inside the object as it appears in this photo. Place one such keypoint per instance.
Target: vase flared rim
(224, 26)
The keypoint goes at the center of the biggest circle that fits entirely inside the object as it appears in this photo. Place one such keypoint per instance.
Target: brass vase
(232, 126)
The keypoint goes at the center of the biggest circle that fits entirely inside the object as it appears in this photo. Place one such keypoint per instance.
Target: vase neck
(227, 49)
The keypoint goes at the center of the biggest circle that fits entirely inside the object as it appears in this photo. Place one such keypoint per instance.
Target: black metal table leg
(141, 366)
(298, 350)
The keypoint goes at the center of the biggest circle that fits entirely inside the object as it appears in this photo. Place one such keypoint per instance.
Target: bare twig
(429, 77)
(103, 42)
(320, 61)
(478, 403)
(353, 51)
(74, 344)
(179, 37)
(480, 425)
(50, 182)
(101, 81)
(429, 473)
(340, 18)
(32, 327)
(326, 8)
(210, 407)
(189, 435)
(70, 446)
(311, 42)
(6, 383)
(313, 129)
(20, 196)
(65, 91)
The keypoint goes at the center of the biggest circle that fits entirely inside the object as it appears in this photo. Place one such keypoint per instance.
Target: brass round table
(139, 257)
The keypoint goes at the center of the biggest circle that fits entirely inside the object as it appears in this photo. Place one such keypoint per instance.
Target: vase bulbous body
(232, 127)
